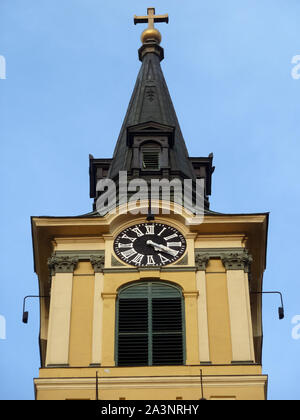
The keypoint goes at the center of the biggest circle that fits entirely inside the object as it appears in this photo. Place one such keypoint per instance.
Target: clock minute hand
(162, 248)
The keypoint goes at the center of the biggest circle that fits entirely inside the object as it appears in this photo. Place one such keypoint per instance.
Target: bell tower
(144, 297)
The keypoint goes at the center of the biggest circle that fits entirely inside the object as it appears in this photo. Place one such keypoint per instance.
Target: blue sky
(71, 66)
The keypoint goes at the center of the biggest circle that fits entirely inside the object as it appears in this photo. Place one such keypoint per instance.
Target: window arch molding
(150, 324)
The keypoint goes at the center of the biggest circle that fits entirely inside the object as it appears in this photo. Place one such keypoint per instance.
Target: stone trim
(201, 261)
(143, 269)
(237, 261)
(98, 263)
(191, 294)
(81, 255)
(58, 365)
(62, 264)
(232, 258)
(67, 261)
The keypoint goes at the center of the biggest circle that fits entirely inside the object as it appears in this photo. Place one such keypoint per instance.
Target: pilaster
(98, 265)
(237, 263)
(62, 269)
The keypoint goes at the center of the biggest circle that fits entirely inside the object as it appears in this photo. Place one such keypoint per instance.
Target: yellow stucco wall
(153, 383)
(222, 379)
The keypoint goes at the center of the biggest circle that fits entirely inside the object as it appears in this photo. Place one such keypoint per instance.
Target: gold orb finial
(151, 35)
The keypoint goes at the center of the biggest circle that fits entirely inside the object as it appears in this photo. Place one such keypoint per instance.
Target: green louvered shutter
(150, 325)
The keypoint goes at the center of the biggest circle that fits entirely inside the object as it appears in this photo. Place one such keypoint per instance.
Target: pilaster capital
(97, 262)
(201, 261)
(237, 261)
(62, 264)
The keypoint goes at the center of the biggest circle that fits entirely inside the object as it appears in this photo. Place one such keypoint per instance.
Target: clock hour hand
(163, 248)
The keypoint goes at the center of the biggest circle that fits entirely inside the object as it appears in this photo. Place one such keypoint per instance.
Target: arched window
(150, 327)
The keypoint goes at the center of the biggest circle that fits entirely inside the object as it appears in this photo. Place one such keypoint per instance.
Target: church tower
(150, 298)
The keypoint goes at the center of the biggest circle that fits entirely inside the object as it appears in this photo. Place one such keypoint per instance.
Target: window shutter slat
(167, 349)
(166, 315)
(133, 350)
(151, 158)
(133, 315)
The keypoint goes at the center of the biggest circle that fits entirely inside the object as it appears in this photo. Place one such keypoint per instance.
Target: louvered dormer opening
(151, 157)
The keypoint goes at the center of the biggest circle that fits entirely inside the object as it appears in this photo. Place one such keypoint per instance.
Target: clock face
(150, 245)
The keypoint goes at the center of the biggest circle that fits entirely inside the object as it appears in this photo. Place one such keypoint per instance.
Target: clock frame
(150, 245)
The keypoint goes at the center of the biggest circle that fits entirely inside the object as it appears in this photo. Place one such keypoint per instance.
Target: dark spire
(151, 103)
(151, 120)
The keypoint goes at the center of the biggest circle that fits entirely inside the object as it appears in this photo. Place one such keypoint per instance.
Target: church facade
(151, 302)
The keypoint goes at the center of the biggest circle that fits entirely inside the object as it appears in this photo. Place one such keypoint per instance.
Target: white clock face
(150, 245)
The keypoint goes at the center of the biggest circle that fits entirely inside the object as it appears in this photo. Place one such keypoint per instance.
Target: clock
(150, 245)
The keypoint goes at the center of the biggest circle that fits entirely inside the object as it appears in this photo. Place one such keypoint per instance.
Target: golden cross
(151, 18)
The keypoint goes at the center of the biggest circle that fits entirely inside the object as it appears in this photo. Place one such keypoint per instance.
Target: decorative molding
(62, 264)
(178, 269)
(150, 93)
(98, 262)
(201, 261)
(60, 365)
(81, 255)
(232, 258)
(146, 382)
(243, 362)
(67, 261)
(237, 261)
(143, 269)
(191, 294)
(109, 295)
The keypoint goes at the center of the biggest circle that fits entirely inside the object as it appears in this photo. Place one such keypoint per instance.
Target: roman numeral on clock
(125, 245)
(138, 259)
(162, 231)
(149, 229)
(150, 260)
(129, 253)
(171, 237)
(163, 259)
(128, 237)
(138, 232)
(176, 244)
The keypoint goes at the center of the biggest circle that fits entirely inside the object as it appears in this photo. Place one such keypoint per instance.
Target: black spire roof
(151, 102)
(151, 116)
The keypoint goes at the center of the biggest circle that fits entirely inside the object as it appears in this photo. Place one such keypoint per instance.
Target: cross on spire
(151, 18)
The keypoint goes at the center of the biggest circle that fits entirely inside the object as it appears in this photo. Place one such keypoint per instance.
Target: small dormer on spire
(151, 37)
